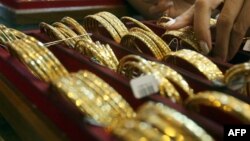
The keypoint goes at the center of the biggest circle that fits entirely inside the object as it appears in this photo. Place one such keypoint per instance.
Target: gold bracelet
(100, 53)
(53, 63)
(200, 62)
(137, 23)
(163, 47)
(121, 103)
(180, 123)
(114, 22)
(54, 33)
(91, 24)
(129, 38)
(127, 68)
(236, 70)
(134, 130)
(223, 102)
(174, 77)
(27, 57)
(184, 34)
(77, 89)
(79, 29)
(238, 74)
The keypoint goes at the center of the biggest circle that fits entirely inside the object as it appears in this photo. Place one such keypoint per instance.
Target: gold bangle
(137, 23)
(127, 68)
(53, 33)
(234, 71)
(180, 123)
(238, 74)
(67, 32)
(6, 36)
(77, 89)
(129, 38)
(138, 129)
(91, 24)
(53, 63)
(27, 57)
(184, 34)
(200, 62)
(79, 29)
(115, 22)
(121, 103)
(174, 77)
(223, 102)
(163, 47)
(101, 53)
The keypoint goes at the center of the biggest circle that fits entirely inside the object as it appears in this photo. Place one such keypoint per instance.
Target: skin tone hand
(231, 27)
(170, 8)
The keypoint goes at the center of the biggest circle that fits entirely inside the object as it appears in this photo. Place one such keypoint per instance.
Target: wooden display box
(49, 116)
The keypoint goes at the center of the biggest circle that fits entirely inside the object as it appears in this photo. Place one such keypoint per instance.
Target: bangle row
(134, 66)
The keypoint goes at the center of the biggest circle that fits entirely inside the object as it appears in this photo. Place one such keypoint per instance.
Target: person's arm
(143, 8)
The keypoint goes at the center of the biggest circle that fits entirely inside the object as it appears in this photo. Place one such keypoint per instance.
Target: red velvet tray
(70, 121)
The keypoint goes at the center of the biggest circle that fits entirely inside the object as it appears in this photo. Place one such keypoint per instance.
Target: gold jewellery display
(90, 94)
(134, 66)
(102, 105)
(76, 37)
(98, 101)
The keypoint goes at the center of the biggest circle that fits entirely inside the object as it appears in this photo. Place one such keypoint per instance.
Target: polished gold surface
(237, 77)
(200, 62)
(40, 61)
(228, 104)
(94, 97)
(172, 123)
(91, 23)
(133, 66)
(137, 23)
(115, 22)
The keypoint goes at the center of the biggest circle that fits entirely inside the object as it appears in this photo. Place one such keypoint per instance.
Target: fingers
(239, 30)
(201, 25)
(181, 21)
(224, 27)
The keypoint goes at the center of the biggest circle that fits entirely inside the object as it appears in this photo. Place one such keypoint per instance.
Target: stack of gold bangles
(223, 102)
(152, 42)
(102, 54)
(200, 62)
(103, 104)
(239, 75)
(9, 34)
(90, 94)
(110, 22)
(158, 122)
(120, 33)
(94, 97)
(184, 35)
(134, 66)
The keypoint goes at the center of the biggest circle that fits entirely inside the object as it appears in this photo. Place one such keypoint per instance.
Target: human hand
(232, 25)
(170, 8)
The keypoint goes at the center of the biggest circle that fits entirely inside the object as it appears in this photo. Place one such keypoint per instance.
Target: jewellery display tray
(37, 112)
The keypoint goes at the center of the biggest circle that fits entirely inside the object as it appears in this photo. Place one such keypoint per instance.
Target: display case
(38, 112)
